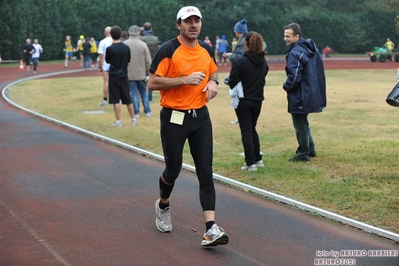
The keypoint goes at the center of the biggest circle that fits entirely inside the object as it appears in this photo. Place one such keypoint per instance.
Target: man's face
(289, 37)
(27, 41)
(190, 28)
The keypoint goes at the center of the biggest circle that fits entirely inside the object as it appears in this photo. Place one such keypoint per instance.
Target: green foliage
(348, 26)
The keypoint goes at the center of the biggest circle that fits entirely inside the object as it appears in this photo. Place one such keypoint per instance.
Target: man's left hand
(212, 89)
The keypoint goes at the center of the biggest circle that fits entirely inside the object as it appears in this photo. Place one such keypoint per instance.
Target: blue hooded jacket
(306, 81)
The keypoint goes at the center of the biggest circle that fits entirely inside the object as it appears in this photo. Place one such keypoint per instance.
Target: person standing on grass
(240, 30)
(36, 54)
(184, 70)
(103, 66)
(118, 56)
(251, 71)
(305, 86)
(138, 69)
(152, 42)
(28, 51)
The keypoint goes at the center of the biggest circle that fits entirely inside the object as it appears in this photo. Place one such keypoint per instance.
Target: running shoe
(249, 167)
(117, 124)
(300, 159)
(214, 236)
(163, 221)
(103, 103)
(260, 163)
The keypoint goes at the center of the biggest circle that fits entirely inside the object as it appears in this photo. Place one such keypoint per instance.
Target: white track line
(40, 239)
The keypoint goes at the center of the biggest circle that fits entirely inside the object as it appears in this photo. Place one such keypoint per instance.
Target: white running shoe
(260, 163)
(214, 236)
(163, 221)
(103, 103)
(116, 124)
(249, 167)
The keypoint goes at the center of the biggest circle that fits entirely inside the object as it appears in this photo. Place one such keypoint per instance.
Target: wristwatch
(216, 80)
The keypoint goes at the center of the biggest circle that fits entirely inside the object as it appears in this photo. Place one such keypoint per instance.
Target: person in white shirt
(103, 67)
(36, 54)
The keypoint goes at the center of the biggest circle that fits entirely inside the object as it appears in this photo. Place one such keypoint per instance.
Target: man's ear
(178, 24)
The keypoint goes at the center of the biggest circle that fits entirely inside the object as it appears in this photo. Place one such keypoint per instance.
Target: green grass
(356, 171)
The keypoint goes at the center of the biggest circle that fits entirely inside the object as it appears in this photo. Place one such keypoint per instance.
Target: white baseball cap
(188, 11)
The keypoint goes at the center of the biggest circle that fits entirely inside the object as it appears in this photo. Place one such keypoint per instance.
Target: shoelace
(215, 231)
(165, 215)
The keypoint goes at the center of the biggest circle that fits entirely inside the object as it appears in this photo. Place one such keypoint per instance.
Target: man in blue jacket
(305, 87)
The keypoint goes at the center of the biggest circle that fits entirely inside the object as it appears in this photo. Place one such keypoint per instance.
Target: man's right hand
(195, 78)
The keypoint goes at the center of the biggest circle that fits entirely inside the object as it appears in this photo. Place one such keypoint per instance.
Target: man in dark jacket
(152, 42)
(305, 87)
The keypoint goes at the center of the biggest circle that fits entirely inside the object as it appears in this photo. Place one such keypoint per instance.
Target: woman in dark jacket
(251, 71)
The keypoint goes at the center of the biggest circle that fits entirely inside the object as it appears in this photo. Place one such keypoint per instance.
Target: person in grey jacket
(240, 29)
(251, 70)
(137, 70)
(305, 86)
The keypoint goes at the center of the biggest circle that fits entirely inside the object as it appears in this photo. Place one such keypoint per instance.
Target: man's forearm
(163, 83)
(100, 60)
(213, 76)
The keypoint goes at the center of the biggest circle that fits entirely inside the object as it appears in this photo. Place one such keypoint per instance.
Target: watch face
(217, 81)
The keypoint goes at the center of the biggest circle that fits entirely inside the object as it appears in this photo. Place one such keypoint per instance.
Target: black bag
(393, 96)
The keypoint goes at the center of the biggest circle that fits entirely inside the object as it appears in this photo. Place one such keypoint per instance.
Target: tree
(344, 25)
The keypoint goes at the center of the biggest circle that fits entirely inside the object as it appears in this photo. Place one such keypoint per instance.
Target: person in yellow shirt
(233, 43)
(79, 47)
(389, 45)
(68, 49)
(93, 52)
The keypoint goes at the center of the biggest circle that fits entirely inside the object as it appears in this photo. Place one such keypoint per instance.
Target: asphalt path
(69, 199)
